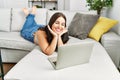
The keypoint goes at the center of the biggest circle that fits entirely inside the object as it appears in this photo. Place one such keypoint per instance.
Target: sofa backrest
(18, 18)
(14, 18)
(5, 17)
(116, 28)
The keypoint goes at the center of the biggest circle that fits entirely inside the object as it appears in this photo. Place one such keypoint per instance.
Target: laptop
(72, 54)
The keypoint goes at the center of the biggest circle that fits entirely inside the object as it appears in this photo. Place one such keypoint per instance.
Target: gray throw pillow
(82, 24)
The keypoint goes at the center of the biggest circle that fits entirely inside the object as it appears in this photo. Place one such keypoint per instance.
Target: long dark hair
(54, 17)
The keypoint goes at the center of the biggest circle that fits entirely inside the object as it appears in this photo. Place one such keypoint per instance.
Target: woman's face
(59, 25)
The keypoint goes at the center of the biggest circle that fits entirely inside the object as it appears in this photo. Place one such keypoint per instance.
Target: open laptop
(72, 54)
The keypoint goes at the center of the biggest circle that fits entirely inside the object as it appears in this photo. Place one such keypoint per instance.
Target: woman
(48, 37)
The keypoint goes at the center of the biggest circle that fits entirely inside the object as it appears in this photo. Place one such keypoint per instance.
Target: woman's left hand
(64, 31)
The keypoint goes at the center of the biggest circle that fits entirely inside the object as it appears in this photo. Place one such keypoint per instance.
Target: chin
(58, 33)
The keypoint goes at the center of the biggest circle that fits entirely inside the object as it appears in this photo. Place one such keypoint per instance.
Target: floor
(7, 67)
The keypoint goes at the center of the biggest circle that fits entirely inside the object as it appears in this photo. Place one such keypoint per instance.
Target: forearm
(51, 48)
(60, 42)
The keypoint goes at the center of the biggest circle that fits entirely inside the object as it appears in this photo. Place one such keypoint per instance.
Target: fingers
(53, 33)
(65, 30)
(50, 29)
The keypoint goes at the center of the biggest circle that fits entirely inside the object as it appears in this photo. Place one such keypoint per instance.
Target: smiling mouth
(58, 30)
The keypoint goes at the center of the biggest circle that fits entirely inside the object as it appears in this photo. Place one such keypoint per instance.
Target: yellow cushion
(102, 26)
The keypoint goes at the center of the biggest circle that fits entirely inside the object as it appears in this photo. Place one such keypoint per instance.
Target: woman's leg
(29, 26)
(30, 22)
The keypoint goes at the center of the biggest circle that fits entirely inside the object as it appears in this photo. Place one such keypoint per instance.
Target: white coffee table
(35, 66)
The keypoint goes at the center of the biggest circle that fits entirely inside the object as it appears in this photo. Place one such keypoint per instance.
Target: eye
(63, 24)
(56, 22)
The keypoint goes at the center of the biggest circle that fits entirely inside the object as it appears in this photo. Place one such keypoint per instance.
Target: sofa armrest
(111, 42)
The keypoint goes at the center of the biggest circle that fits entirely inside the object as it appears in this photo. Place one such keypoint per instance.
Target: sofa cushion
(82, 24)
(111, 42)
(116, 28)
(110, 39)
(18, 18)
(12, 55)
(76, 40)
(5, 17)
(13, 40)
(102, 26)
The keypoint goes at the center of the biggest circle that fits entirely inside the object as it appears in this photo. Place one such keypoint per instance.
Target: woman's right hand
(52, 32)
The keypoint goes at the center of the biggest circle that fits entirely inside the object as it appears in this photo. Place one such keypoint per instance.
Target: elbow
(47, 53)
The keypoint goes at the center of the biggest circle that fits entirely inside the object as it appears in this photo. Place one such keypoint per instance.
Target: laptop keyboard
(54, 62)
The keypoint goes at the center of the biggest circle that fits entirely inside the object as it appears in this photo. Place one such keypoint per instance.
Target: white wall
(60, 4)
(72, 5)
(1, 3)
(114, 13)
(13, 3)
(78, 5)
(67, 4)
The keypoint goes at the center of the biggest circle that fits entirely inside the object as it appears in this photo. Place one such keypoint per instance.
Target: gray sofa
(13, 47)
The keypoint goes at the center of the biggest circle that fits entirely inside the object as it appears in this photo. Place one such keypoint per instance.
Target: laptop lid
(72, 54)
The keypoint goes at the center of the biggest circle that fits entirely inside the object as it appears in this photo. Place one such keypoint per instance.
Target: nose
(60, 26)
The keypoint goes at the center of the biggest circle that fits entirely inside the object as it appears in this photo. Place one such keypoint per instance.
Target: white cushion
(12, 55)
(76, 40)
(116, 28)
(41, 16)
(13, 40)
(5, 15)
(18, 18)
(111, 42)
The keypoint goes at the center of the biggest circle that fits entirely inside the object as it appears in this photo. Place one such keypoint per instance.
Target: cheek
(53, 28)
(63, 27)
